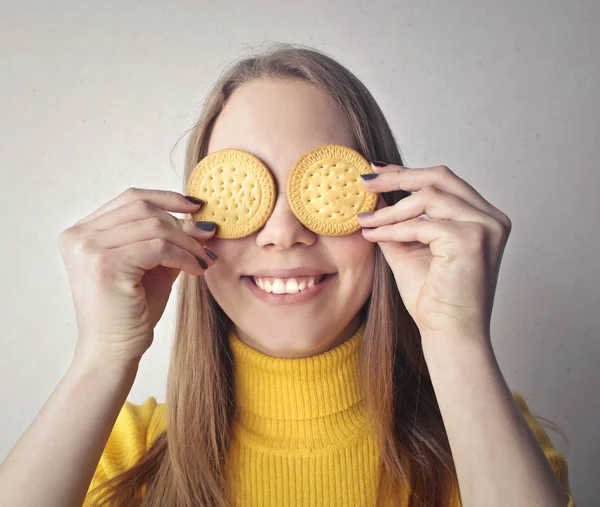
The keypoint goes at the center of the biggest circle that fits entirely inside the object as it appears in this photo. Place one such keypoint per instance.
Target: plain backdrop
(95, 96)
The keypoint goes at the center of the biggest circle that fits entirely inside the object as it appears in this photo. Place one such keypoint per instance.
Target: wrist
(105, 365)
(96, 352)
(445, 345)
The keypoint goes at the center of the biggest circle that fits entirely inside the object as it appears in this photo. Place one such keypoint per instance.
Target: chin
(291, 337)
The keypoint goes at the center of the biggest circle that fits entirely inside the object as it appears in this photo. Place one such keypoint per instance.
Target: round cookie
(238, 191)
(325, 192)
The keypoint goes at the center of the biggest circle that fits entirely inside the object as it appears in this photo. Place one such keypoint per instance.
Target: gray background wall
(93, 97)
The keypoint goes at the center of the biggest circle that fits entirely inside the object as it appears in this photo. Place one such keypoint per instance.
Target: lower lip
(287, 299)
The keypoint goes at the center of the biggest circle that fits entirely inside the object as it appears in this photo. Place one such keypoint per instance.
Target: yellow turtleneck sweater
(300, 436)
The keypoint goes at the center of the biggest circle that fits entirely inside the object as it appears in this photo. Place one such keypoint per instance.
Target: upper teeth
(286, 285)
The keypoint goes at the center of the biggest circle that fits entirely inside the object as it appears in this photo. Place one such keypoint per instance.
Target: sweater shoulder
(134, 431)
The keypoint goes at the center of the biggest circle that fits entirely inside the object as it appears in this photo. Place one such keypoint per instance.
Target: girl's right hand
(121, 262)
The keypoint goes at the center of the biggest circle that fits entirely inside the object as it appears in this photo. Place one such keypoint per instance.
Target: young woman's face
(278, 121)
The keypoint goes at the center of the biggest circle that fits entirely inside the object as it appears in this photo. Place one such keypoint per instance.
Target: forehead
(278, 121)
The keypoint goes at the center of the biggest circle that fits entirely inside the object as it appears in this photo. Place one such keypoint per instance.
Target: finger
(163, 199)
(387, 168)
(151, 253)
(152, 228)
(466, 235)
(131, 211)
(395, 177)
(434, 203)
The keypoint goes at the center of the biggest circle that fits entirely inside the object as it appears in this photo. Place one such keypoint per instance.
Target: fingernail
(203, 264)
(368, 176)
(211, 254)
(365, 214)
(206, 226)
(377, 163)
(194, 200)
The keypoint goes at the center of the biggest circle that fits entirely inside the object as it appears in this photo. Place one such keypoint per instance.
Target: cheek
(357, 267)
(354, 254)
(223, 272)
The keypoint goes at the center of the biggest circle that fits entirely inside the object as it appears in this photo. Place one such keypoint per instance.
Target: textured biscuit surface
(238, 191)
(325, 192)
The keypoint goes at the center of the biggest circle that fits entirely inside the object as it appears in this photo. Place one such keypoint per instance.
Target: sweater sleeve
(556, 459)
(127, 442)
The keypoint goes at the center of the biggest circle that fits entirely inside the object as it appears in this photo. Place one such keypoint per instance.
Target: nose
(283, 230)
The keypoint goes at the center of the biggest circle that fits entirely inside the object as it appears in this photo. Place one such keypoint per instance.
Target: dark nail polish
(378, 163)
(368, 176)
(206, 226)
(211, 254)
(365, 214)
(194, 200)
(203, 264)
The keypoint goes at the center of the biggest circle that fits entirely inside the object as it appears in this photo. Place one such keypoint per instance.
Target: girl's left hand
(446, 264)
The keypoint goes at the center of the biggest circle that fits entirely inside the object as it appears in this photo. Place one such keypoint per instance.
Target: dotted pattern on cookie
(238, 191)
(325, 192)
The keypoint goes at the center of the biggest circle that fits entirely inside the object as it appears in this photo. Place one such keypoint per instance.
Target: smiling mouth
(292, 285)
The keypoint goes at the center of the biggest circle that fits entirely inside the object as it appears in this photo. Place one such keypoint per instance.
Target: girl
(378, 386)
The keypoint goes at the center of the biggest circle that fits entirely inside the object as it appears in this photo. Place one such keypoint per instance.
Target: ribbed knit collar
(297, 401)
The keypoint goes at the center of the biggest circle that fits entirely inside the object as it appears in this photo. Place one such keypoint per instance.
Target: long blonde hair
(200, 400)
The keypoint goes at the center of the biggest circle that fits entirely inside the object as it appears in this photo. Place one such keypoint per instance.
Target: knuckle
(98, 262)
(72, 241)
(82, 245)
(144, 207)
(65, 238)
(176, 196)
(499, 229)
(131, 193)
(443, 170)
(507, 222)
(155, 223)
(161, 245)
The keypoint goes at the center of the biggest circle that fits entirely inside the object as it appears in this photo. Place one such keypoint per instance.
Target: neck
(297, 401)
